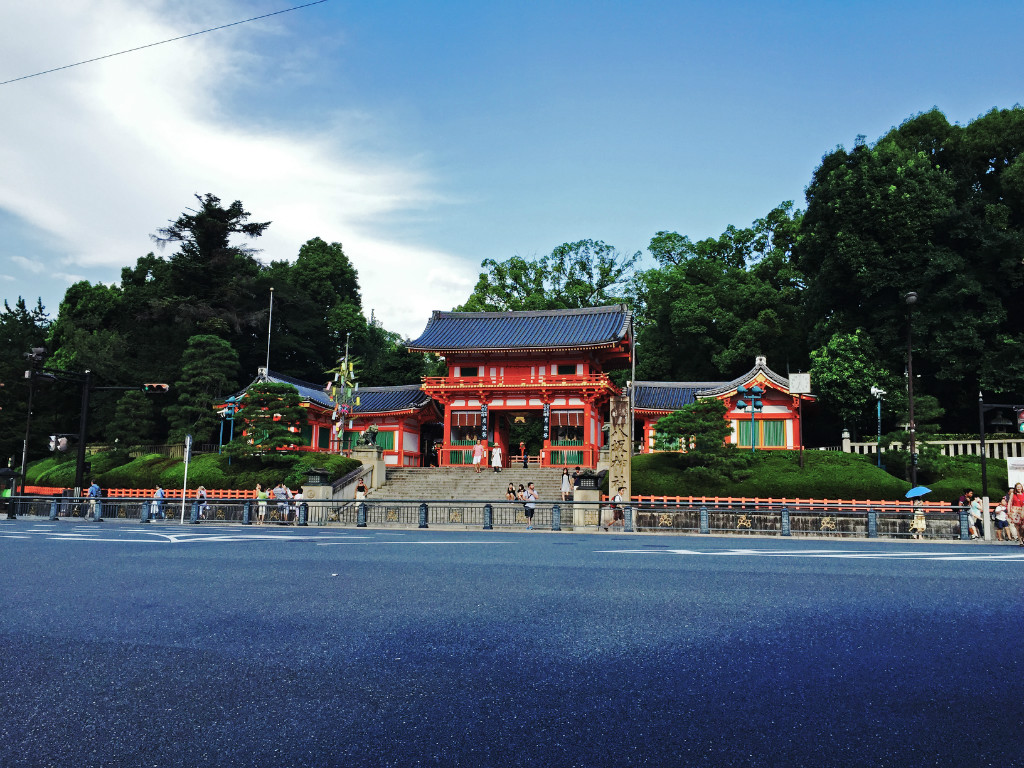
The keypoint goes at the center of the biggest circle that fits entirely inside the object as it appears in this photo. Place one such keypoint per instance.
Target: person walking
(94, 495)
(201, 498)
(530, 498)
(158, 503)
(566, 485)
(1002, 520)
(261, 503)
(496, 458)
(361, 489)
(618, 516)
(478, 455)
(917, 527)
(281, 494)
(1015, 512)
(975, 516)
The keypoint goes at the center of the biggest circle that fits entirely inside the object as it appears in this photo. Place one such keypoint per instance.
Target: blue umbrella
(920, 490)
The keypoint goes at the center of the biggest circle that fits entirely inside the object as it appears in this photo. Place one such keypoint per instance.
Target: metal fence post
(627, 521)
(488, 517)
(144, 512)
(193, 516)
(965, 525)
(53, 510)
(705, 525)
(556, 518)
(97, 512)
(423, 515)
(303, 513)
(361, 515)
(872, 524)
(787, 529)
(247, 513)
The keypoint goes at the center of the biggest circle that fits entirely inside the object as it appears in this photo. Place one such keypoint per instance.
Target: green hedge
(826, 474)
(211, 470)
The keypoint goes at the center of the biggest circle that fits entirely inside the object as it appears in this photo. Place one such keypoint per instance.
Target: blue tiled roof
(381, 399)
(307, 390)
(668, 395)
(371, 399)
(458, 331)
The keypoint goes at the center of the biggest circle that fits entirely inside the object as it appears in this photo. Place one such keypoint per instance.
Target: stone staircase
(419, 483)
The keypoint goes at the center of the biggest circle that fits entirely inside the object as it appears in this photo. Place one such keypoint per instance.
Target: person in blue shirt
(158, 503)
(93, 494)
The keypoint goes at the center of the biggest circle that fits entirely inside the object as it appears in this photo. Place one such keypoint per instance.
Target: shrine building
(775, 426)
(549, 365)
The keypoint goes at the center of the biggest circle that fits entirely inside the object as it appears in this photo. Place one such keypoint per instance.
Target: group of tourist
(528, 496)
(285, 499)
(1007, 514)
(480, 456)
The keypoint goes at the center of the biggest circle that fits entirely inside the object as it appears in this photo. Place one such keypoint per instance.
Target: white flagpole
(184, 490)
(270, 320)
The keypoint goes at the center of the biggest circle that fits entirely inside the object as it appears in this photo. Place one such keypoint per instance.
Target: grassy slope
(210, 470)
(826, 474)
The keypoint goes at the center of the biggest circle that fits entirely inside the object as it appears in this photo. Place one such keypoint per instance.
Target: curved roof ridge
(760, 367)
(603, 326)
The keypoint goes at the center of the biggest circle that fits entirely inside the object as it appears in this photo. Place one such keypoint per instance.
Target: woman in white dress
(566, 485)
(496, 458)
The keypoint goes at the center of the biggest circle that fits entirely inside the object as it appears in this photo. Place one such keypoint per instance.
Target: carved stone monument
(620, 455)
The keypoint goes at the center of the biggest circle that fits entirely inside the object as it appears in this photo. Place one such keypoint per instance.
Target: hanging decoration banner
(483, 422)
(547, 421)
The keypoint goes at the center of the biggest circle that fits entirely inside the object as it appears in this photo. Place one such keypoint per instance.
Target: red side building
(775, 427)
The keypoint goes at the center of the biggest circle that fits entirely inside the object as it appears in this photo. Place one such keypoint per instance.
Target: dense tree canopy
(586, 273)
(930, 207)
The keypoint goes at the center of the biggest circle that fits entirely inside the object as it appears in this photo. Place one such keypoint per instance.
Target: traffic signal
(1020, 420)
(62, 443)
(156, 387)
(53, 442)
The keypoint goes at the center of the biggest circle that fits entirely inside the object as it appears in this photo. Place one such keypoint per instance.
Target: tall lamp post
(754, 393)
(879, 394)
(911, 300)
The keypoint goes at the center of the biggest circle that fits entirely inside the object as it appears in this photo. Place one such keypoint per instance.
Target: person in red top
(1016, 512)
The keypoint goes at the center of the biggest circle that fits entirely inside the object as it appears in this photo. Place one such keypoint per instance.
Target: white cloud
(99, 156)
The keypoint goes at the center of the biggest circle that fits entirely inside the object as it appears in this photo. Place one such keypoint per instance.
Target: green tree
(937, 209)
(133, 422)
(267, 413)
(21, 329)
(586, 273)
(209, 367)
(701, 429)
(712, 307)
(844, 370)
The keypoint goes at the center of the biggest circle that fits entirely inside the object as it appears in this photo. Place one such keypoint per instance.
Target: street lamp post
(755, 393)
(879, 394)
(911, 299)
(35, 356)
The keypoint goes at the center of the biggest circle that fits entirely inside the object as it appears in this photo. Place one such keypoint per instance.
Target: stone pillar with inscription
(620, 455)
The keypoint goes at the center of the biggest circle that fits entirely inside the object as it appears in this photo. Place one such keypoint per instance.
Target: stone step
(414, 483)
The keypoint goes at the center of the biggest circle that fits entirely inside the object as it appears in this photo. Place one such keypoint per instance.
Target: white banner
(1015, 471)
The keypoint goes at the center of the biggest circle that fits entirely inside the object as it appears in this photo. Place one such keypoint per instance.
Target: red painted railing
(586, 380)
(853, 505)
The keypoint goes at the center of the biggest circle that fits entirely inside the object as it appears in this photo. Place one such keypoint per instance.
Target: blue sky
(428, 136)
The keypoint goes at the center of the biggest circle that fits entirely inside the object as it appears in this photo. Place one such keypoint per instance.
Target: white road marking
(328, 544)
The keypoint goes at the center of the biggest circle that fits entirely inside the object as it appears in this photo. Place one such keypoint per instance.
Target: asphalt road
(160, 645)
